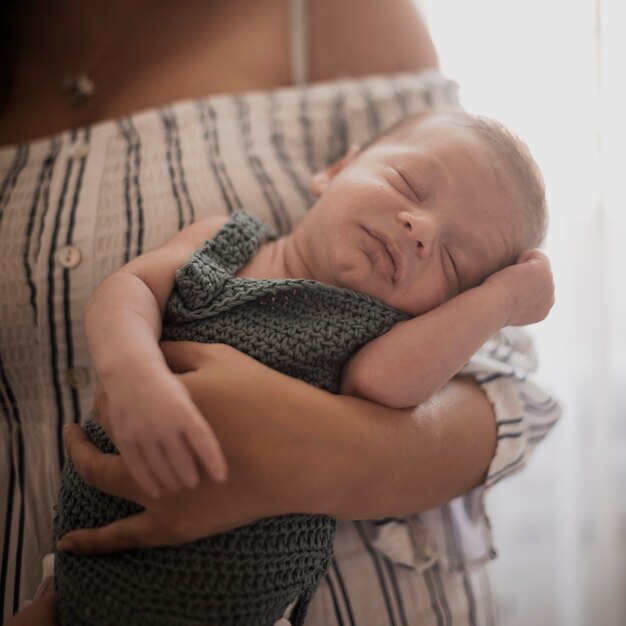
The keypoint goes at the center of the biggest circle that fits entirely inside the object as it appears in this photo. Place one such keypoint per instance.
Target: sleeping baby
(420, 247)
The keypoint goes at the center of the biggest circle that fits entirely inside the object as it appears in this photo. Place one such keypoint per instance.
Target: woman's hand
(295, 448)
(41, 612)
(168, 520)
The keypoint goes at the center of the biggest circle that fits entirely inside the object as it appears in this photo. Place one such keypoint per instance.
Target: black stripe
(167, 123)
(434, 600)
(471, 600)
(307, 131)
(507, 469)
(52, 326)
(10, 180)
(344, 591)
(491, 377)
(378, 570)
(211, 140)
(333, 595)
(442, 594)
(42, 188)
(21, 476)
(181, 170)
(6, 181)
(396, 590)
(11, 407)
(136, 182)
(127, 198)
(373, 117)
(67, 307)
(10, 410)
(278, 141)
(7, 528)
(338, 131)
(272, 198)
(513, 420)
(509, 436)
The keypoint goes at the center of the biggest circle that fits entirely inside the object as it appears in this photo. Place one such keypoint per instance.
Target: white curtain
(554, 70)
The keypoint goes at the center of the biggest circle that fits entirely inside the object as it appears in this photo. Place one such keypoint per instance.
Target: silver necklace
(78, 89)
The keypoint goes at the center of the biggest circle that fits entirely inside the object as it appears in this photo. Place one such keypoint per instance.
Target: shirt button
(79, 151)
(77, 377)
(69, 257)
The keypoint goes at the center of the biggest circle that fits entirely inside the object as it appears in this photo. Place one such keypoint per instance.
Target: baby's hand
(163, 437)
(526, 287)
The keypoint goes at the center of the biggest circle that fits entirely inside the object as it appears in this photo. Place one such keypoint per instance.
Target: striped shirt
(76, 206)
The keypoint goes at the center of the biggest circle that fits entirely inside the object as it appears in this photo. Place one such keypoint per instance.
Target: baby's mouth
(388, 251)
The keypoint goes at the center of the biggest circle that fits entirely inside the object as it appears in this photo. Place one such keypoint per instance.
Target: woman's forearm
(293, 448)
(306, 450)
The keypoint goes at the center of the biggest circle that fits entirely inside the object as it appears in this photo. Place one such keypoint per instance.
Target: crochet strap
(236, 242)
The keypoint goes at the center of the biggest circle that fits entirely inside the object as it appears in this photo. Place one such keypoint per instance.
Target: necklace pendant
(78, 89)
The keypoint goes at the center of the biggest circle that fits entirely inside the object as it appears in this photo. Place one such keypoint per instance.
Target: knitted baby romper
(249, 575)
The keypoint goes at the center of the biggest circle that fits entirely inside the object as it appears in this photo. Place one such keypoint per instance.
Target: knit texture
(249, 575)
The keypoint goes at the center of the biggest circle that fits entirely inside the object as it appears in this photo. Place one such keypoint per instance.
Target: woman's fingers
(128, 533)
(182, 461)
(140, 469)
(106, 472)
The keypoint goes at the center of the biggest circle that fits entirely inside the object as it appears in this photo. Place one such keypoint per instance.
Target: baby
(420, 247)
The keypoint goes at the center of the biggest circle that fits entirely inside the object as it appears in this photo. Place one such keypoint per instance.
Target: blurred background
(556, 73)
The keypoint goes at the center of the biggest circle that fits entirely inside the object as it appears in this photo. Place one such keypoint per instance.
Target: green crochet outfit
(247, 576)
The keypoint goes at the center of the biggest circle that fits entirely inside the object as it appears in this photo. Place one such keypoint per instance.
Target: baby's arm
(154, 422)
(410, 363)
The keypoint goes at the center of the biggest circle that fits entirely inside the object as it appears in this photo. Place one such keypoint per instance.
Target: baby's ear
(321, 180)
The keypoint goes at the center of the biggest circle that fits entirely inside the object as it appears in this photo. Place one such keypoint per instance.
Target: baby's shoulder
(206, 228)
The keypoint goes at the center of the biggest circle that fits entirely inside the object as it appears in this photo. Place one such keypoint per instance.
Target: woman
(77, 205)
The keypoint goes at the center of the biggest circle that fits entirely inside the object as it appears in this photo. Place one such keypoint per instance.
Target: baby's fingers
(161, 465)
(182, 461)
(141, 470)
(202, 440)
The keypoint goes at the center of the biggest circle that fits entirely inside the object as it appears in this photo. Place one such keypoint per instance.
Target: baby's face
(415, 223)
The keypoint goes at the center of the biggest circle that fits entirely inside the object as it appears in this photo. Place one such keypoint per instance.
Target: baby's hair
(519, 166)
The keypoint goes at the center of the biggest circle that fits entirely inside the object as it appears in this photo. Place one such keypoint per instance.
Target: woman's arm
(294, 448)
(318, 452)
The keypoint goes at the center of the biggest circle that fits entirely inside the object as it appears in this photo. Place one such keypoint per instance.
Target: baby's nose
(421, 229)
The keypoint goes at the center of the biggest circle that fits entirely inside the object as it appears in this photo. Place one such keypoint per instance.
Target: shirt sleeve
(525, 411)
(458, 534)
